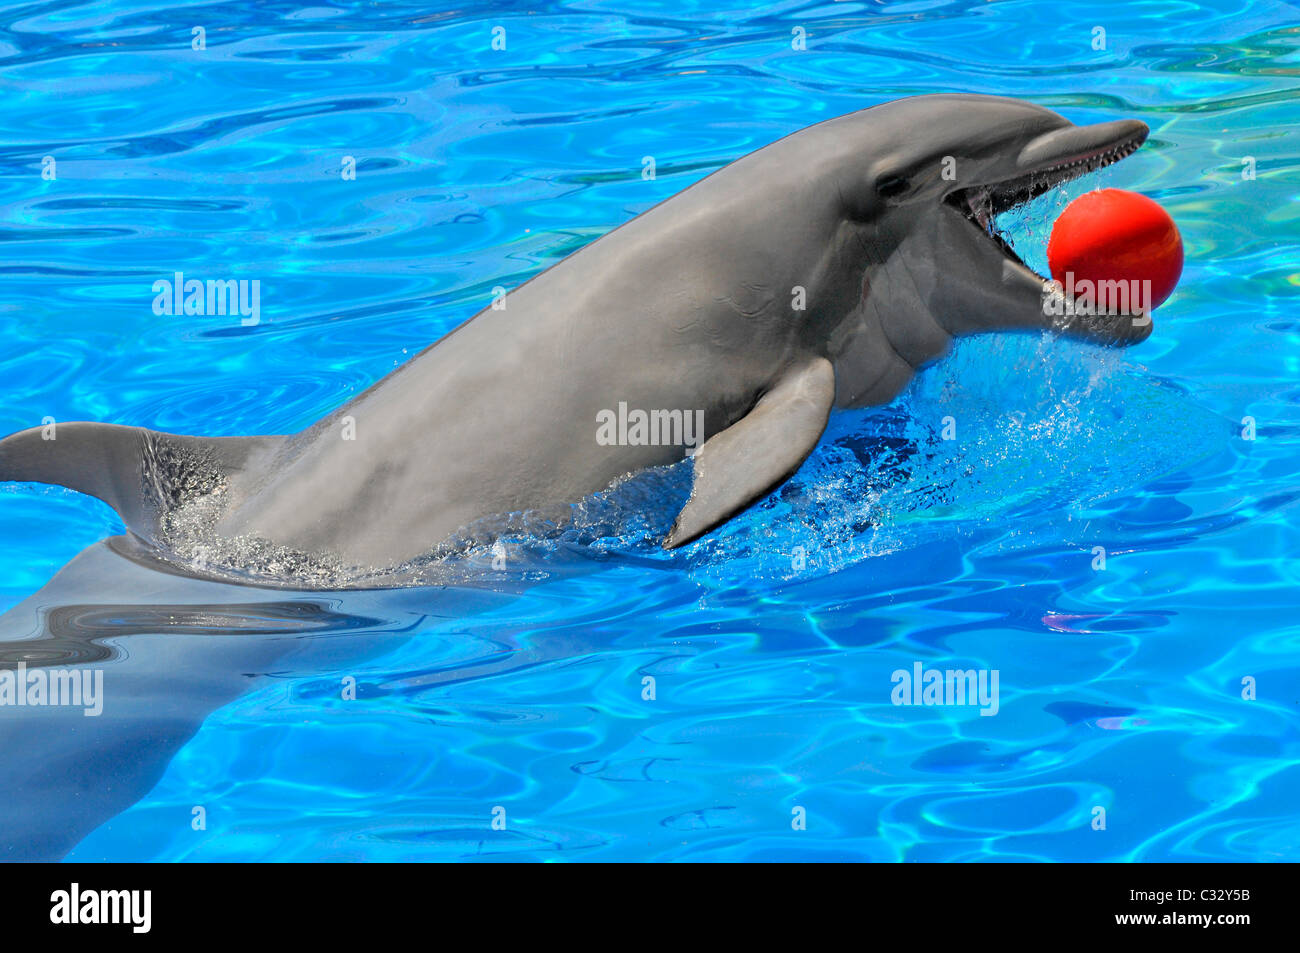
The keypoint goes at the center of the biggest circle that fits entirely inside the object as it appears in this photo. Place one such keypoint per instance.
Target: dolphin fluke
(140, 473)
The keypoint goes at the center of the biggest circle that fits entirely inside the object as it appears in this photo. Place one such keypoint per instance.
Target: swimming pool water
(772, 642)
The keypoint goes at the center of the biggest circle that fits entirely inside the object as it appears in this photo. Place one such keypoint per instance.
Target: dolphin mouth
(1047, 162)
(981, 204)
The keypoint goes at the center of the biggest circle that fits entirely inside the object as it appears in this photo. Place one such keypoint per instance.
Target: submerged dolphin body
(163, 650)
(820, 271)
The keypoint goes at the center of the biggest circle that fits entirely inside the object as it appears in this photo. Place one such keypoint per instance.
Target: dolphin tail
(140, 473)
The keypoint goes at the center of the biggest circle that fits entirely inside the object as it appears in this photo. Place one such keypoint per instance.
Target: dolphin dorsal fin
(140, 473)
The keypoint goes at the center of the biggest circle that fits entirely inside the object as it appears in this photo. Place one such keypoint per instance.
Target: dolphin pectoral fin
(136, 471)
(759, 452)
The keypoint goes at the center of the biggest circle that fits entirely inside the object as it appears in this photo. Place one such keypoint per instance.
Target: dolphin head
(919, 183)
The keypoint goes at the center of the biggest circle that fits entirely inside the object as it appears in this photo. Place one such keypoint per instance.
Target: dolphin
(820, 271)
(162, 649)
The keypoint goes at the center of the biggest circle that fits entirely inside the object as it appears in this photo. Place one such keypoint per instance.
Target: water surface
(771, 642)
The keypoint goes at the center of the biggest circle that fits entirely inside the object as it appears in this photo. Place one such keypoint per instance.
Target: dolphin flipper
(136, 471)
(759, 452)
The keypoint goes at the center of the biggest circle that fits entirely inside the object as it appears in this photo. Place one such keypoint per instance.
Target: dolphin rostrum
(820, 271)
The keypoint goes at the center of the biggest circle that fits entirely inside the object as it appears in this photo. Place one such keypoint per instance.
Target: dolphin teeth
(980, 206)
(1094, 162)
(983, 203)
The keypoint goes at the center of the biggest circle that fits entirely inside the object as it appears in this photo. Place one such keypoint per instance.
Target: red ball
(1113, 235)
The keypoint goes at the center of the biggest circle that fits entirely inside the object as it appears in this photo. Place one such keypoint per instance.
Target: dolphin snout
(1076, 148)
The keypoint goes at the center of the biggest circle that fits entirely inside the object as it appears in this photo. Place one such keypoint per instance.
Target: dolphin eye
(891, 185)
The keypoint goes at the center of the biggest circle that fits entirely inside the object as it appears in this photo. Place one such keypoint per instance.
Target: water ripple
(768, 647)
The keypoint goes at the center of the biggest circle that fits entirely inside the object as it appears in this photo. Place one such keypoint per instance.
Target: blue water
(771, 642)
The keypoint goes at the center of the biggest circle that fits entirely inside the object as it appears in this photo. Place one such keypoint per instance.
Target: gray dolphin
(169, 649)
(820, 271)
